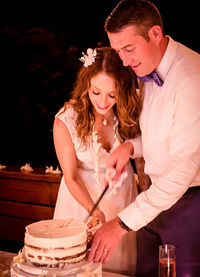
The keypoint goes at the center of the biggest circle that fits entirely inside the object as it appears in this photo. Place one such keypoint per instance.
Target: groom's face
(134, 50)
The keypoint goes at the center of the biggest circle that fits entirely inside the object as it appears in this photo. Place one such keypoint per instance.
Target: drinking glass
(167, 262)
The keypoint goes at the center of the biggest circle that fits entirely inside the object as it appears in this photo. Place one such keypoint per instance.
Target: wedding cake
(55, 248)
(54, 242)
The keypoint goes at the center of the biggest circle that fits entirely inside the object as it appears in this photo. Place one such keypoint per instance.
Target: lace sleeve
(68, 117)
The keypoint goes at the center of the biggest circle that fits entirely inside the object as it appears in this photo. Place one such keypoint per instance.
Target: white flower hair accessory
(88, 58)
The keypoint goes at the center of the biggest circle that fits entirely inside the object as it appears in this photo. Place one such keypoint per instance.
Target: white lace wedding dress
(91, 168)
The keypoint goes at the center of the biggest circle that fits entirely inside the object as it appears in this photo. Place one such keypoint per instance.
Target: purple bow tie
(153, 75)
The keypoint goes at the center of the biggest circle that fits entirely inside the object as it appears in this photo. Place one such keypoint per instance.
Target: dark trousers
(180, 226)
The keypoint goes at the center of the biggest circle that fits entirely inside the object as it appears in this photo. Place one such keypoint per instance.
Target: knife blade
(97, 203)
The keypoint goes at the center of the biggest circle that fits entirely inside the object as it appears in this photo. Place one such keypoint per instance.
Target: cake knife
(97, 203)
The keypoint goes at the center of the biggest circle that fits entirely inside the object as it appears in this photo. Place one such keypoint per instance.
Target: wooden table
(6, 259)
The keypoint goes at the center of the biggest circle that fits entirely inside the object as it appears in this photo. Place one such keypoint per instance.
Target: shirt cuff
(132, 218)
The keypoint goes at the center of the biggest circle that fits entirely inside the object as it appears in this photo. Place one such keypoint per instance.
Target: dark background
(40, 49)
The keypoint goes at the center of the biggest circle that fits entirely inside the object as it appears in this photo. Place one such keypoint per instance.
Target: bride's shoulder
(67, 111)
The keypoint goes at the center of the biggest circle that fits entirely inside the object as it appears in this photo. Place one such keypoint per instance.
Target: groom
(168, 212)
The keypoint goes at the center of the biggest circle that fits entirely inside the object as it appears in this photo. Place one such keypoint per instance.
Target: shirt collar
(167, 59)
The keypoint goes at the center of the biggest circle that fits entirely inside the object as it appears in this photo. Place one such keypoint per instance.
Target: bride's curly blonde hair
(128, 106)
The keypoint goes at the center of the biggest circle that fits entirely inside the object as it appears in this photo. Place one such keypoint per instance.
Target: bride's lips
(103, 108)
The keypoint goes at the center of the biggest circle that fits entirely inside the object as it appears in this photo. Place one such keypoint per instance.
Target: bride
(103, 111)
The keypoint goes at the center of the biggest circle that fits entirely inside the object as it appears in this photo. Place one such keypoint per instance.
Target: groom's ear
(155, 33)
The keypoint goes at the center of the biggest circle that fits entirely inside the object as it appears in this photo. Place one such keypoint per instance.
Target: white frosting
(51, 242)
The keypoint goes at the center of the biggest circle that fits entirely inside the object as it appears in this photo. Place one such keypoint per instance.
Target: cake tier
(52, 243)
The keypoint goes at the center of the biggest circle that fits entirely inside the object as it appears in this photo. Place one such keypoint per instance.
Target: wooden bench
(25, 198)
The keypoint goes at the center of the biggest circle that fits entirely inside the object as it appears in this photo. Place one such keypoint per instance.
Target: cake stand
(83, 269)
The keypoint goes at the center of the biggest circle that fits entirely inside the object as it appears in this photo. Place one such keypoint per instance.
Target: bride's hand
(98, 217)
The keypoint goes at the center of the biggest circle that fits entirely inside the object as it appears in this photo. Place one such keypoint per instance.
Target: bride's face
(102, 92)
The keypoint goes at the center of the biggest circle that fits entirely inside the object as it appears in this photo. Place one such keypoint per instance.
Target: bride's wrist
(96, 212)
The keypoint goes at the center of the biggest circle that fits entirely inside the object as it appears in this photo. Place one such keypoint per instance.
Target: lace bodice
(92, 156)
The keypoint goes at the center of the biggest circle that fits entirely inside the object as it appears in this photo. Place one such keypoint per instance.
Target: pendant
(105, 122)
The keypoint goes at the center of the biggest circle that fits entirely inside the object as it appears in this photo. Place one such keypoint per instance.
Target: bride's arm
(67, 158)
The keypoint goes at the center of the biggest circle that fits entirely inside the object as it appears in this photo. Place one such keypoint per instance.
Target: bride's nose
(103, 101)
